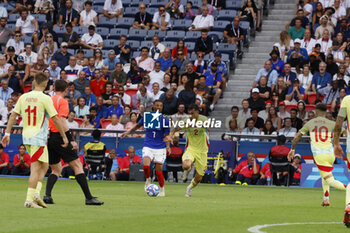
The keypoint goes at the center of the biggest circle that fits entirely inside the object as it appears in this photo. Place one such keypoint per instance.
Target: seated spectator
(10, 56)
(90, 98)
(339, 11)
(245, 112)
(5, 111)
(264, 90)
(284, 45)
(305, 78)
(179, 46)
(190, 74)
(213, 81)
(143, 96)
(204, 21)
(121, 166)
(268, 129)
(308, 42)
(288, 130)
(62, 56)
(157, 49)
(123, 50)
(21, 162)
(5, 36)
(44, 7)
(338, 54)
(108, 162)
(68, 15)
(296, 122)
(95, 152)
(342, 28)
(187, 96)
(342, 79)
(70, 120)
(295, 93)
(4, 161)
(91, 40)
(81, 109)
(181, 62)
(135, 74)
(101, 108)
(175, 9)
(233, 128)
(5, 91)
(132, 123)
(112, 9)
(16, 43)
(246, 169)
(235, 116)
(258, 121)
(99, 59)
(124, 119)
(165, 61)
(200, 65)
(169, 102)
(90, 69)
(304, 15)
(189, 13)
(263, 114)
(276, 62)
(248, 13)
(72, 94)
(325, 42)
(180, 115)
(234, 34)
(95, 119)
(26, 24)
(50, 44)
(14, 80)
(144, 61)
(255, 101)
(143, 19)
(111, 61)
(258, 4)
(295, 168)
(156, 92)
(161, 20)
(88, 16)
(321, 79)
(324, 26)
(288, 75)
(107, 96)
(220, 64)
(71, 37)
(86, 125)
(40, 36)
(329, 93)
(73, 69)
(30, 57)
(332, 67)
(274, 118)
(22, 69)
(98, 84)
(269, 73)
(298, 56)
(301, 110)
(265, 173)
(336, 103)
(204, 44)
(115, 108)
(282, 113)
(114, 125)
(118, 77)
(297, 31)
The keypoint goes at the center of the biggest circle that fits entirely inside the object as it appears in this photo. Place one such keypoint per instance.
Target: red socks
(160, 178)
(147, 171)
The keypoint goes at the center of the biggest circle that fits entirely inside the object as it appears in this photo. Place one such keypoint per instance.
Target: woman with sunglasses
(180, 46)
(16, 43)
(200, 66)
(98, 59)
(50, 43)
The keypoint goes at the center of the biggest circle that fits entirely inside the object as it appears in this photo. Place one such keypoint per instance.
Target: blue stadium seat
(208, 57)
(125, 22)
(190, 46)
(109, 44)
(60, 39)
(214, 37)
(229, 49)
(71, 51)
(136, 54)
(26, 39)
(137, 34)
(152, 10)
(105, 53)
(220, 25)
(134, 44)
(12, 18)
(225, 57)
(11, 150)
(159, 33)
(244, 24)
(130, 11)
(11, 26)
(181, 24)
(115, 33)
(126, 4)
(106, 22)
(175, 35)
(103, 32)
(146, 43)
(233, 5)
(99, 2)
(219, 34)
(88, 53)
(158, 3)
(80, 30)
(60, 31)
(169, 44)
(137, 2)
(98, 9)
(192, 35)
(227, 15)
(40, 18)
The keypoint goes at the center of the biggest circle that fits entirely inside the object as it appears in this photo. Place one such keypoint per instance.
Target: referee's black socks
(81, 179)
(51, 180)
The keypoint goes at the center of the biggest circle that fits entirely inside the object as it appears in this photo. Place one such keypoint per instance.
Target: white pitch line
(256, 229)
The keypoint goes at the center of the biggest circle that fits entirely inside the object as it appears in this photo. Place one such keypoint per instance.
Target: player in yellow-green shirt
(344, 113)
(197, 146)
(35, 108)
(321, 130)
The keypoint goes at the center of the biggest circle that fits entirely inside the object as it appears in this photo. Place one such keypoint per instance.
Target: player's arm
(12, 120)
(125, 134)
(294, 144)
(338, 151)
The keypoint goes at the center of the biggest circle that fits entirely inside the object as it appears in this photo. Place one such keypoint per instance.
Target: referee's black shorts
(57, 152)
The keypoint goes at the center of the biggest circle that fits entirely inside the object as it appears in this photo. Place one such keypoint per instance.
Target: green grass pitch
(211, 208)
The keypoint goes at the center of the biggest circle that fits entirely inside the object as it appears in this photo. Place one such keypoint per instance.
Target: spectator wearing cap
(288, 75)
(308, 42)
(295, 93)
(295, 170)
(6, 32)
(337, 53)
(144, 61)
(123, 50)
(297, 56)
(11, 57)
(332, 67)
(264, 90)
(161, 19)
(204, 21)
(282, 113)
(255, 101)
(62, 56)
(204, 44)
(88, 16)
(22, 69)
(297, 31)
(112, 9)
(16, 43)
(143, 19)
(276, 62)
(68, 15)
(30, 57)
(26, 24)
(253, 126)
(220, 64)
(234, 34)
(111, 61)
(73, 69)
(324, 26)
(71, 37)
(315, 58)
(329, 93)
(4, 161)
(91, 40)
(269, 73)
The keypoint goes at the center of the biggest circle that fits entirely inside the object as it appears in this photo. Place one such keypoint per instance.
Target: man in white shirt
(112, 9)
(114, 125)
(324, 25)
(6, 111)
(157, 75)
(144, 97)
(29, 56)
(55, 70)
(125, 98)
(70, 120)
(340, 12)
(5, 92)
(308, 43)
(326, 3)
(250, 130)
(72, 70)
(288, 130)
(161, 19)
(155, 91)
(203, 21)
(3, 12)
(91, 40)
(157, 49)
(325, 42)
(3, 66)
(27, 24)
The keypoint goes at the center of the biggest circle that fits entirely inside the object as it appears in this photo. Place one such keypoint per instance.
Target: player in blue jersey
(155, 146)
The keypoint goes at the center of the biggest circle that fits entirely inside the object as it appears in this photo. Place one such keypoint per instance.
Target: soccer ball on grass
(152, 190)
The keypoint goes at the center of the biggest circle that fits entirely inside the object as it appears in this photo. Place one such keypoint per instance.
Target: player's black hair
(96, 134)
(321, 107)
(193, 107)
(60, 85)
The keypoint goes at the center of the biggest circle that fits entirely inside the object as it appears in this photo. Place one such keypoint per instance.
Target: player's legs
(201, 166)
(187, 161)
(51, 181)
(159, 156)
(147, 170)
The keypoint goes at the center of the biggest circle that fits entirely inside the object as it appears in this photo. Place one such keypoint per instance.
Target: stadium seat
(152, 10)
(88, 52)
(158, 3)
(130, 11)
(214, 37)
(220, 25)
(161, 34)
(105, 122)
(103, 32)
(60, 31)
(13, 18)
(290, 107)
(27, 88)
(175, 35)
(134, 44)
(192, 36)
(115, 33)
(99, 2)
(227, 15)
(225, 57)
(208, 57)
(227, 48)
(106, 22)
(26, 39)
(12, 27)
(169, 44)
(190, 46)
(137, 2)
(71, 51)
(311, 98)
(79, 121)
(136, 54)
(109, 44)
(233, 5)
(137, 34)
(311, 107)
(131, 92)
(40, 18)
(147, 44)
(181, 24)
(11, 150)
(98, 9)
(125, 22)
(105, 53)
(80, 30)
